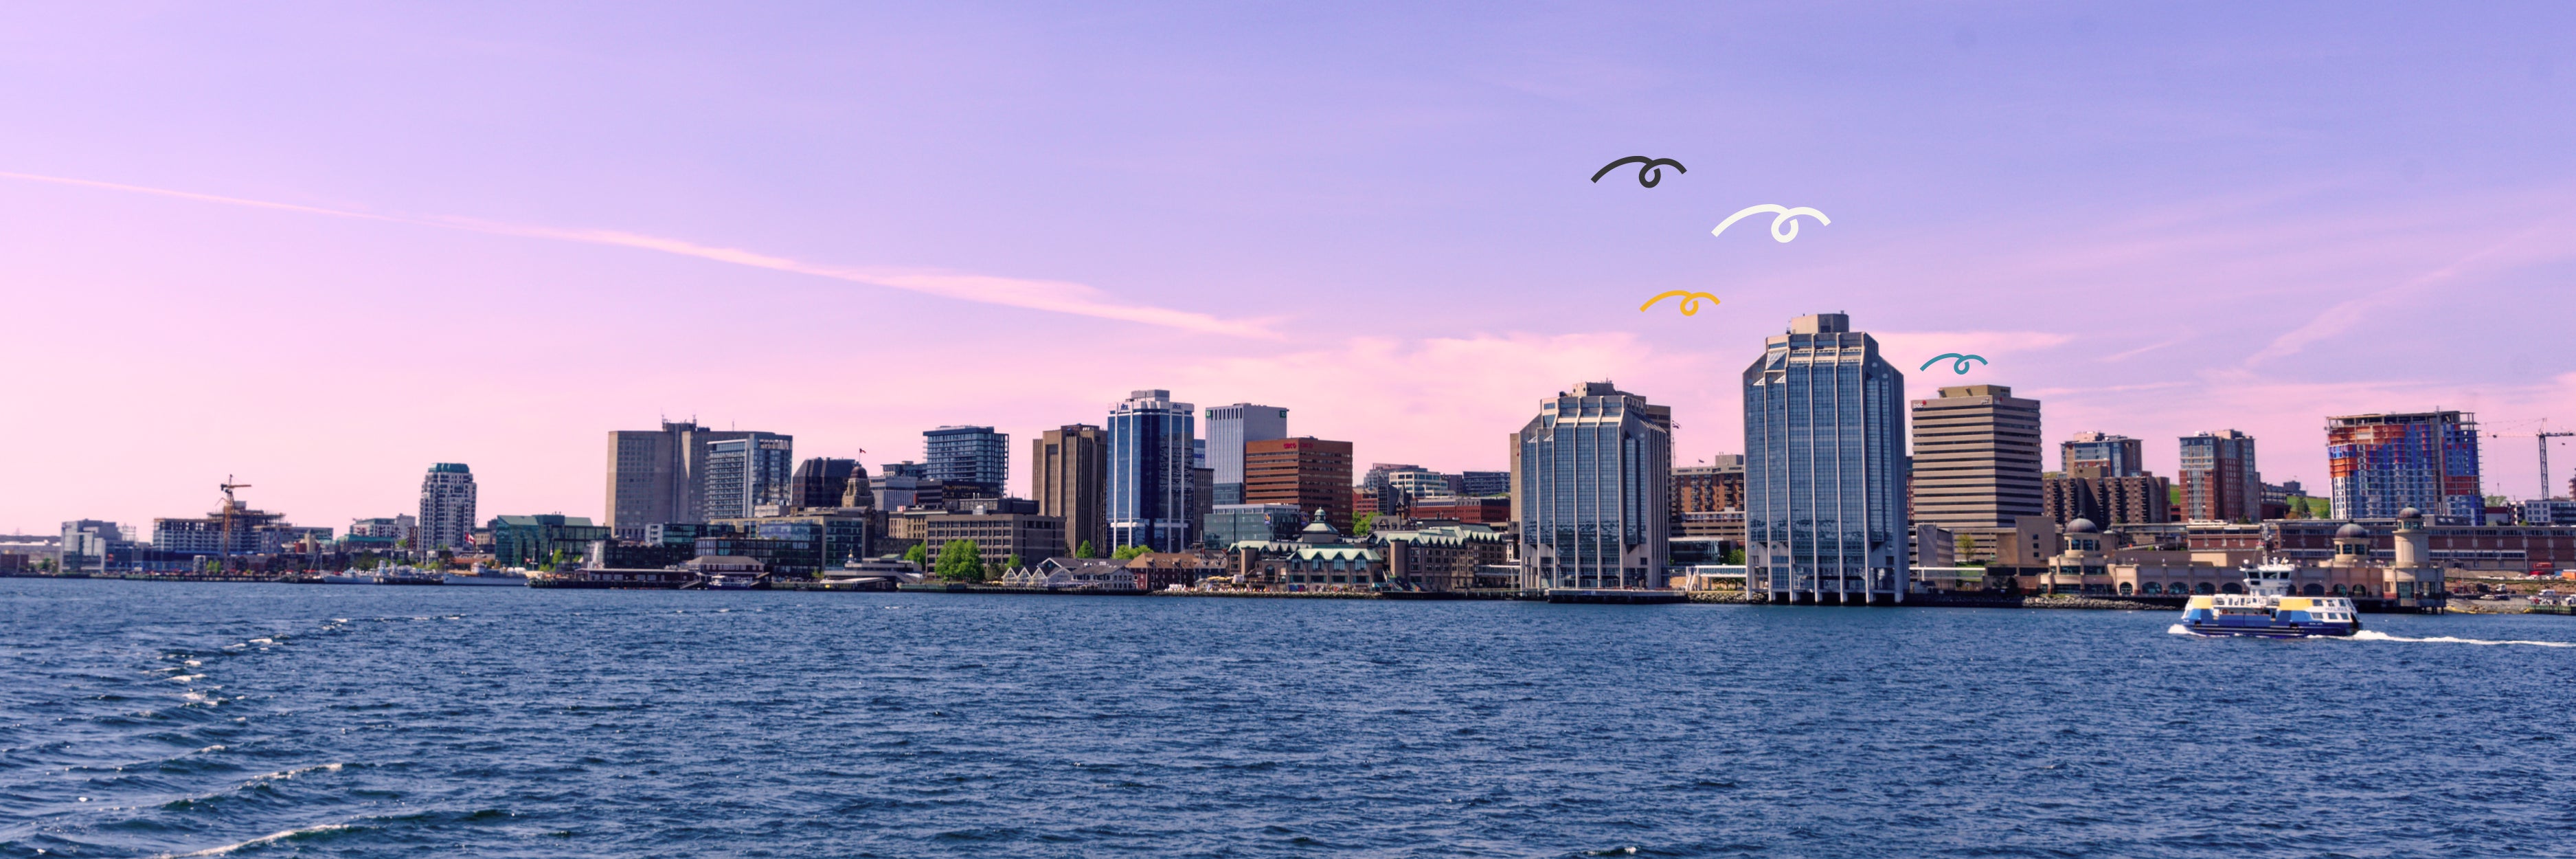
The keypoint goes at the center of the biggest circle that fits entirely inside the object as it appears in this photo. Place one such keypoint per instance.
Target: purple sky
(321, 246)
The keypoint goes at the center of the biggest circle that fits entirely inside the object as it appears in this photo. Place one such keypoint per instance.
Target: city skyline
(2158, 230)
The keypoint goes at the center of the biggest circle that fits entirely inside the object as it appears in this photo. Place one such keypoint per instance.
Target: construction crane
(2541, 435)
(226, 551)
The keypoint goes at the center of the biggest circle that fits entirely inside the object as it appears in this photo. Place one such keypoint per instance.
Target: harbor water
(155, 719)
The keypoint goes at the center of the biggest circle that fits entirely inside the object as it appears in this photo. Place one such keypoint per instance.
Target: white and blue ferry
(2266, 610)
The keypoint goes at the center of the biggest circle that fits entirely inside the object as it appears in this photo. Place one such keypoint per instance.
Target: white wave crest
(264, 839)
(2375, 635)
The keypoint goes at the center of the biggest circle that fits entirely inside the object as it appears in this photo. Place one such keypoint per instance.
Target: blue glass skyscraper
(1824, 467)
(968, 456)
(1594, 477)
(1151, 501)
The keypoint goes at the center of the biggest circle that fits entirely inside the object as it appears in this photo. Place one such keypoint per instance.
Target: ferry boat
(2266, 610)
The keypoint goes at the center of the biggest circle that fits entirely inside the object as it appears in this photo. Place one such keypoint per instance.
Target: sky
(317, 247)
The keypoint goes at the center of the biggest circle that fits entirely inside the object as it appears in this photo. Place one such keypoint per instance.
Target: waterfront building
(93, 546)
(1321, 560)
(1000, 528)
(1228, 524)
(2345, 563)
(1068, 477)
(381, 534)
(1156, 571)
(1440, 557)
(1824, 467)
(2549, 511)
(2381, 463)
(786, 549)
(1304, 472)
(963, 456)
(1229, 428)
(1063, 573)
(1149, 487)
(1484, 483)
(2096, 454)
(1593, 478)
(2219, 480)
(836, 536)
(1976, 457)
(446, 507)
(234, 529)
(822, 482)
(533, 541)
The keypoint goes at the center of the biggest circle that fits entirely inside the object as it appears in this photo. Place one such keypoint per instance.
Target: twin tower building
(1825, 472)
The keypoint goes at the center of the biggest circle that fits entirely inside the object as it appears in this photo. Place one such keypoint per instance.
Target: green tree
(1360, 526)
(1085, 550)
(961, 561)
(1128, 552)
(917, 556)
(1013, 562)
(1735, 556)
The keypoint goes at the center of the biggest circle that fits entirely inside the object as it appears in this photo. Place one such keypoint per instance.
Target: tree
(1129, 552)
(1735, 556)
(1085, 550)
(1013, 562)
(961, 561)
(919, 557)
(1360, 526)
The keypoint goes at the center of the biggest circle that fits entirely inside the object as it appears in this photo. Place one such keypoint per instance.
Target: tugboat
(2266, 610)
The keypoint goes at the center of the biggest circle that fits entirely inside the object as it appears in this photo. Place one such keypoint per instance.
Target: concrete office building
(1709, 488)
(1068, 478)
(741, 474)
(1824, 467)
(899, 485)
(968, 460)
(1593, 490)
(2119, 501)
(822, 482)
(1304, 472)
(446, 507)
(1976, 458)
(1149, 485)
(1228, 429)
(2219, 480)
(2379, 464)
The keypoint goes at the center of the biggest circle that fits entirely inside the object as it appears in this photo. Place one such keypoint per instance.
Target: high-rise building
(2383, 463)
(1976, 457)
(1068, 474)
(2219, 480)
(968, 457)
(446, 507)
(1824, 467)
(1228, 428)
(744, 473)
(658, 477)
(2095, 454)
(1593, 490)
(1149, 488)
(906, 484)
(821, 482)
(1305, 472)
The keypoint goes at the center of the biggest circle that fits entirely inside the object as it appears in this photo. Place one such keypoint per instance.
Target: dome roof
(2083, 526)
(2351, 529)
(2410, 513)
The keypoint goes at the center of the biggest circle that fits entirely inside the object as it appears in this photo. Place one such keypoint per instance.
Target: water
(145, 719)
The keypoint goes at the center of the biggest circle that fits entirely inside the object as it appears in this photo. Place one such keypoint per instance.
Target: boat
(488, 576)
(407, 576)
(349, 577)
(2267, 610)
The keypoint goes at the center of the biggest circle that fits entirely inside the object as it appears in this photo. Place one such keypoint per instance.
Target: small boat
(2266, 610)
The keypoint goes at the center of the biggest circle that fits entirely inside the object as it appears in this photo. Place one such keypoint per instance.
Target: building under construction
(2381, 464)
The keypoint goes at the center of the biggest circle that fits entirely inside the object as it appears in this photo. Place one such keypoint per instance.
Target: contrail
(1049, 295)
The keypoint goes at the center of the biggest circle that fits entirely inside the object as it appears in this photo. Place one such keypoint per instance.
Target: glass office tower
(1151, 499)
(1594, 472)
(1824, 467)
(1229, 427)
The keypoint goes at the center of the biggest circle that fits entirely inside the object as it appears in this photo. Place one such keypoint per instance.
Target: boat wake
(2375, 635)
(291, 835)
